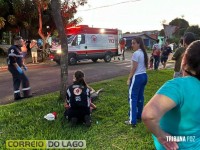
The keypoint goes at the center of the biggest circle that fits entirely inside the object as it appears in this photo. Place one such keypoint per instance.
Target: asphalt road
(45, 78)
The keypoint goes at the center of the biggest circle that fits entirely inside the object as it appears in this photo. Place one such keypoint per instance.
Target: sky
(138, 15)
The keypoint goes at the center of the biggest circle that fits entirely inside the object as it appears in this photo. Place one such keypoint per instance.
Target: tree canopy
(180, 22)
(22, 16)
(195, 29)
(183, 27)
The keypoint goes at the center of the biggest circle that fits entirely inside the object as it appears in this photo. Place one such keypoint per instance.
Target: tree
(25, 13)
(194, 29)
(56, 11)
(19, 18)
(42, 5)
(67, 11)
(182, 24)
(127, 33)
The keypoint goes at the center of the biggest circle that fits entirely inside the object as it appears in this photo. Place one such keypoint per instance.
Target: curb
(5, 68)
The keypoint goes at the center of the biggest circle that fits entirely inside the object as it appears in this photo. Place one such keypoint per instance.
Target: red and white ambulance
(86, 42)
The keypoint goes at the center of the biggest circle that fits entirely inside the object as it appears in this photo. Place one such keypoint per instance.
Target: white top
(156, 46)
(138, 56)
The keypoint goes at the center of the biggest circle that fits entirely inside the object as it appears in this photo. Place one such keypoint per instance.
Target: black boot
(27, 93)
(17, 96)
(74, 121)
(87, 120)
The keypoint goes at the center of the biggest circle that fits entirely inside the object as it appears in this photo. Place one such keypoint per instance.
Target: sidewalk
(28, 62)
(169, 65)
(128, 55)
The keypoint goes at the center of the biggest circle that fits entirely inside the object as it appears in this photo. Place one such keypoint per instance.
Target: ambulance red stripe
(94, 51)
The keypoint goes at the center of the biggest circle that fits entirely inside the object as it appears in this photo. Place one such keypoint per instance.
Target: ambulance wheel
(107, 58)
(72, 60)
(94, 59)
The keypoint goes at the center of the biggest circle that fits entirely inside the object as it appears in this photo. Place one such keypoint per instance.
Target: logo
(26, 144)
(77, 91)
(111, 39)
(94, 38)
(180, 138)
(45, 144)
(12, 51)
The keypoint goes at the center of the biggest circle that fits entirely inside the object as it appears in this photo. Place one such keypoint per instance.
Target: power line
(110, 5)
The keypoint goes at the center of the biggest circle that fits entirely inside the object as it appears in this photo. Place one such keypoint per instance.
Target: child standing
(151, 62)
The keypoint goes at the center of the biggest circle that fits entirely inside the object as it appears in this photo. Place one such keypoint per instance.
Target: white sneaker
(129, 123)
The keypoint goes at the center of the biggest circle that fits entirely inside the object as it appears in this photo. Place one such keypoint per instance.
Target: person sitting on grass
(94, 95)
(79, 100)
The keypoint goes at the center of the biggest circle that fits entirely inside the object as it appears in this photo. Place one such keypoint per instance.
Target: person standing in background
(178, 58)
(122, 44)
(156, 50)
(136, 81)
(34, 49)
(24, 51)
(28, 42)
(184, 42)
(165, 51)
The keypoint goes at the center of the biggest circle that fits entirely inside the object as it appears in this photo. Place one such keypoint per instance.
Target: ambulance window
(81, 39)
(74, 43)
(70, 38)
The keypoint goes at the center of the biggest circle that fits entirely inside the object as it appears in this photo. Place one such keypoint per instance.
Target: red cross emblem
(77, 91)
(94, 38)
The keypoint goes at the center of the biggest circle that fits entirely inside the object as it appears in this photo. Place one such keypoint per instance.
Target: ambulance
(86, 42)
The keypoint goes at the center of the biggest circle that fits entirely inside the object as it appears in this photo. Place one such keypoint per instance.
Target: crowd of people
(32, 48)
(170, 112)
(160, 54)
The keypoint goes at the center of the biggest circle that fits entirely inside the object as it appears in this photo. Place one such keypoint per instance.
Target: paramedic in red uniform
(122, 44)
(15, 65)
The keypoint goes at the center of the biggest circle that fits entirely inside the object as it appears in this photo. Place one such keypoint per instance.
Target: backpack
(156, 50)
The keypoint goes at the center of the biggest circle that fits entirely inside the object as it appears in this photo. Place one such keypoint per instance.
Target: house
(148, 40)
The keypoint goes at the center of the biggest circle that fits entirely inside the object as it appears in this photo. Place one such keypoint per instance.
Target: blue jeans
(136, 96)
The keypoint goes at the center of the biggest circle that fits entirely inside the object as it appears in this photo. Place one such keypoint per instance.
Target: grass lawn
(25, 119)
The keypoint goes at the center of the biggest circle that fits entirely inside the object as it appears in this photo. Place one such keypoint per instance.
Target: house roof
(138, 34)
(154, 36)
